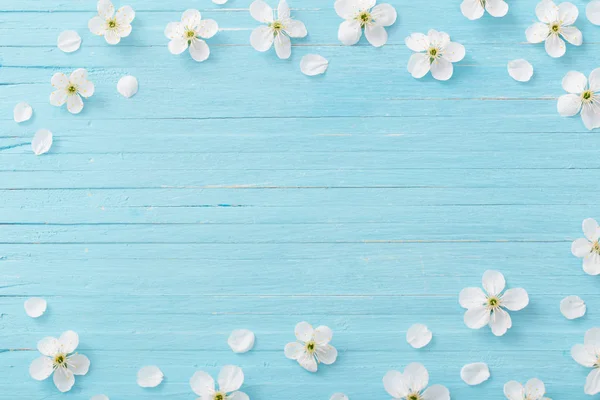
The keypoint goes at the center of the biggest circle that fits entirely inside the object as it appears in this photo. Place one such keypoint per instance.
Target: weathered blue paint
(239, 193)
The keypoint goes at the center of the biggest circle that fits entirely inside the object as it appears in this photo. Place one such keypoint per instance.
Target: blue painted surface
(239, 193)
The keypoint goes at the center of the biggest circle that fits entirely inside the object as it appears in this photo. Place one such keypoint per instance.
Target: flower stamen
(555, 28)
(71, 89)
(310, 347)
(220, 396)
(493, 302)
(413, 396)
(365, 18)
(60, 361)
(596, 249)
(112, 23)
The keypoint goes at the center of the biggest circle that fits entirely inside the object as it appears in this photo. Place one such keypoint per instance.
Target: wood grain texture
(239, 193)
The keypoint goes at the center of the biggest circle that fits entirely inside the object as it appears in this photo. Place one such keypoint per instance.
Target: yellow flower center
(414, 396)
(60, 360)
(555, 28)
(112, 23)
(310, 347)
(365, 18)
(277, 26)
(220, 396)
(493, 302)
(71, 89)
(587, 96)
(596, 247)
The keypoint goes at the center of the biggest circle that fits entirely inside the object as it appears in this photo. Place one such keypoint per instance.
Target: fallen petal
(474, 374)
(22, 112)
(69, 41)
(149, 376)
(127, 86)
(418, 336)
(338, 396)
(35, 307)
(572, 307)
(100, 397)
(313, 64)
(520, 70)
(241, 340)
(42, 141)
(219, 1)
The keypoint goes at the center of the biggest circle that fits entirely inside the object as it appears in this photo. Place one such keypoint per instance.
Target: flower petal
(41, 368)
(127, 86)
(415, 377)
(283, 10)
(376, 35)
(590, 228)
(439, 39)
(537, 33)
(149, 376)
(572, 307)
(260, 11)
(591, 264)
(475, 374)
(323, 335)
(125, 15)
(178, 45)
(207, 28)
(581, 247)
(493, 282)
(535, 389)
(199, 50)
(546, 11)
(106, 9)
(418, 336)
(569, 105)
(592, 382)
(567, 13)
(584, 355)
(112, 37)
(97, 25)
(572, 35)
(418, 65)
(313, 64)
(393, 382)
(59, 81)
(79, 76)
(230, 378)
(49, 346)
(63, 379)
(417, 42)
(191, 18)
(574, 82)
(78, 364)
(22, 112)
(592, 337)
(85, 89)
(338, 396)
(513, 390)
(589, 116)
(293, 350)
(436, 392)
(595, 80)
(295, 28)
(326, 353)
(471, 297)
(496, 8)
(99, 397)
(454, 52)
(174, 30)
(349, 32)
(241, 340)
(238, 396)
(304, 331)
(262, 38)
(41, 143)
(69, 341)
(384, 14)
(477, 317)
(500, 322)
(308, 362)
(555, 46)
(283, 46)
(472, 9)
(35, 306)
(515, 299)
(348, 9)
(202, 383)
(74, 104)
(69, 41)
(520, 70)
(592, 11)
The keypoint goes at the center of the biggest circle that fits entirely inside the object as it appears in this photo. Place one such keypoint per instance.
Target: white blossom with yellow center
(364, 14)
(555, 22)
(70, 90)
(534, 389)
(412, 384)
(110, 25)
(588, 247)
(189, 33)
(230, 379)
(488, 308)
(588, 355)
(474, 9)
(312, 347)
(434, 52)
(58, 358)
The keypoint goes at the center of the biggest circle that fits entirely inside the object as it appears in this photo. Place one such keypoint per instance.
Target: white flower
(112, 27)
(69, 90)
(359, 14)
(278, 30)
(556, 21)
(582, 97)
(188, 32)
(230, 380)
(435, 52)
(58, 357)
(312, 347)
(588, 248)
(474, 9)
(534, 390)
(410, 384)
(487, 309)
(588, 355)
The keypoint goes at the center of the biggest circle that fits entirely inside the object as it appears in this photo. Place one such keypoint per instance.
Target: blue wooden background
(239, 193)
